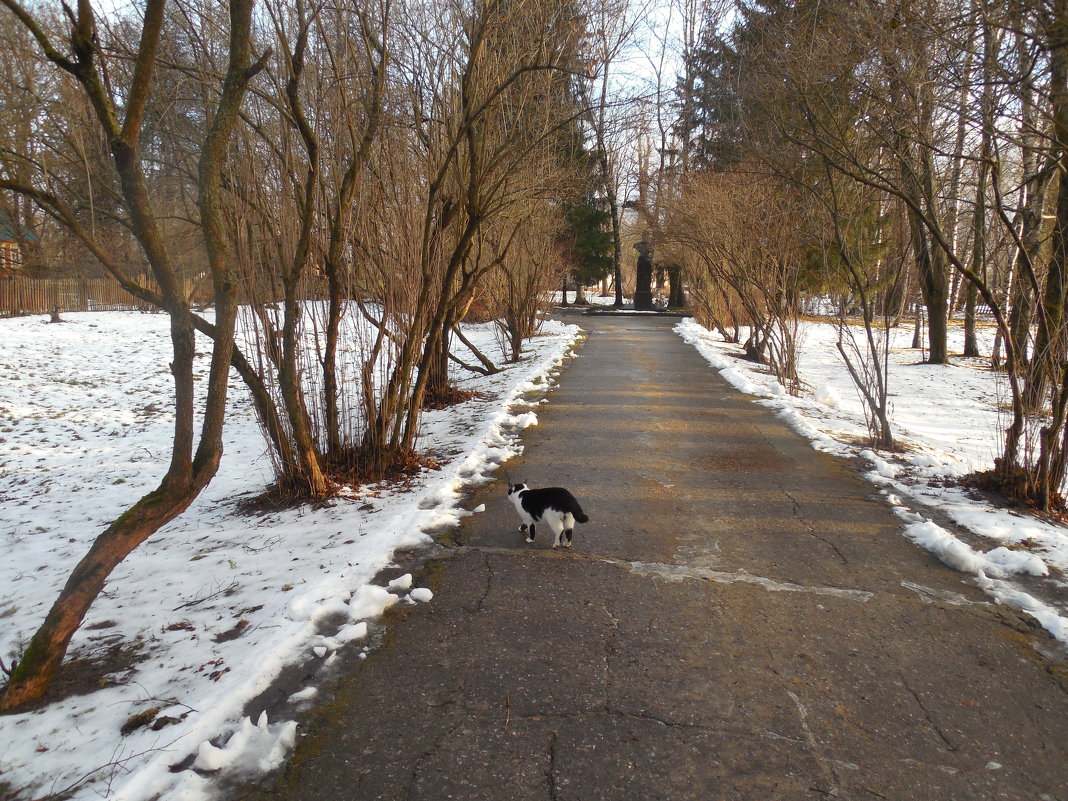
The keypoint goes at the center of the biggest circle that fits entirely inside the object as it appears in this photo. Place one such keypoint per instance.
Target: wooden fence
(21, 296)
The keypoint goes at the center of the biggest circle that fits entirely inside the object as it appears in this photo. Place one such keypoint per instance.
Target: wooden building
(13, 243)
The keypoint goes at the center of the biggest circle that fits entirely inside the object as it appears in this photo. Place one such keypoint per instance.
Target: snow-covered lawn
(204, 615)
(947, 421)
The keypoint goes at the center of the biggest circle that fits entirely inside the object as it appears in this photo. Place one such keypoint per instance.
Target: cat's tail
(577, 513)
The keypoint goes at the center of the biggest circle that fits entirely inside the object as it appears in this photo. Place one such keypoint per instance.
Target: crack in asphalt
(927, 714)
(439, 742)
(609, 650)
(811, 529)
(797, 507)
(553, 736)
(488, 588)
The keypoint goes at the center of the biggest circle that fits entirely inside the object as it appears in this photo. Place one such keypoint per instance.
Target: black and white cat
(553, 506)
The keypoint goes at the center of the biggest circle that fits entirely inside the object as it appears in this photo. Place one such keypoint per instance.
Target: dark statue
(643, 287)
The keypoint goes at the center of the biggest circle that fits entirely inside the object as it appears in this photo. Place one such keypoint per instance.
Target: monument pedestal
(643, 300)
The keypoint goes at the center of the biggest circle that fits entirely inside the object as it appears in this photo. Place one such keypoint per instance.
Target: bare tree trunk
(979, 266)
(917, 328)
(438, 381)
(617, 228)
(331, 391)
(1049, 345)
(376, 48)
(934, 285)
(677, 298)
(1037, 177)
(954, 195)
(312, 480)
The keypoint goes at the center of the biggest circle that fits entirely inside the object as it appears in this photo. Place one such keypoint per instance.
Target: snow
(307, 694)
(828, 396)
(998, 562)
(370, 602)
(947, 419)
(401, 582)
(253, 748)
(1048, 617)
(421, 594)
(210, 610)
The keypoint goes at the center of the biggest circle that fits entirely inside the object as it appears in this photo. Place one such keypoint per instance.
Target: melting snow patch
(828, 396)
(351, 632)
(401, 582)
(950, 550)
(524, 420)
(997, 562)
(924, 460)
(421, 594)
(306, 694)
(1017, 561)
(253, 748)
(1004, 593)
(882, 467)
(370, 601)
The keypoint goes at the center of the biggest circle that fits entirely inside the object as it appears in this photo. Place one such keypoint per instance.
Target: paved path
(740, 619)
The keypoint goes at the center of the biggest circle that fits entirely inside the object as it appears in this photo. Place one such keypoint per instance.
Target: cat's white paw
(523, 527)
(529, 539)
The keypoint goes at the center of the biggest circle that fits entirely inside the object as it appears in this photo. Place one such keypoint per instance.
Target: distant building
(12, 242)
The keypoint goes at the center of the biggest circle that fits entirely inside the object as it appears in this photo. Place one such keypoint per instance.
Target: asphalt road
(740, 619)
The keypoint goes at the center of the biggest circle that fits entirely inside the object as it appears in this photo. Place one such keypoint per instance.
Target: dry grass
(350, 469)
(450, 396)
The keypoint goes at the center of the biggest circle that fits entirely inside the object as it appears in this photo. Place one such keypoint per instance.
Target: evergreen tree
(586, 241)
(589, 239)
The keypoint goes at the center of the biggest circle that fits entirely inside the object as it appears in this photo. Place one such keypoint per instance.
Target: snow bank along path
(947, 419)
(208, 611)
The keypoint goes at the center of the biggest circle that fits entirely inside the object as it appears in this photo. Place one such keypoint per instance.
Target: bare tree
(612, 24)
(519, 288)
(479, 86)
(82, 56)
(710, 227)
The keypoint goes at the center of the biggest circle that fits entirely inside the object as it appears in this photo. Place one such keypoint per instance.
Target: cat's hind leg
(558, 527)
(569, 527)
